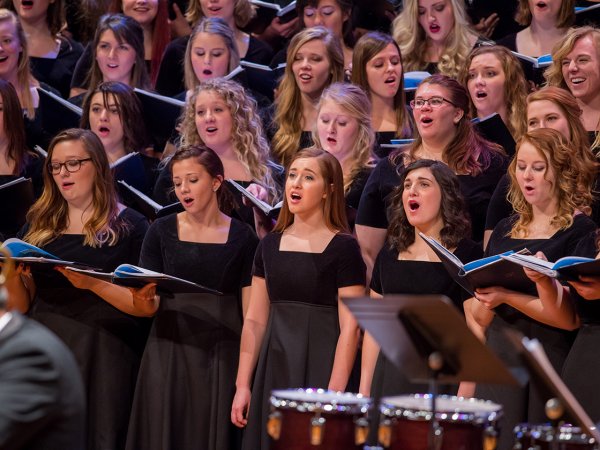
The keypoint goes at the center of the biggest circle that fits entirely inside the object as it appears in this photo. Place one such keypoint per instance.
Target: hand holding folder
(137, 277)
(30, 255)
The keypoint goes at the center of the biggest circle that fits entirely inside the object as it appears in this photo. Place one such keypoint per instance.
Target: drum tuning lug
(317, 429)
(385, 433)
(274, 425)
(361, 430)
(490, 438)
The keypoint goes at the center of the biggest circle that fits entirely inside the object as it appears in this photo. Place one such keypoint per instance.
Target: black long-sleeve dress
(186, 382)
(300, 341)
(107, 343)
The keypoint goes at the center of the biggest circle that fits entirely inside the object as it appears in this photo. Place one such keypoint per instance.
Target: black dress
(303, 329)
(527, 404)
(477, 191)
(187, 378)
(582, 368)
(393, 276)
(107, 343)
(57, 72)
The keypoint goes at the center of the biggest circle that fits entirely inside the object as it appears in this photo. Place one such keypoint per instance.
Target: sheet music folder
(408, 328)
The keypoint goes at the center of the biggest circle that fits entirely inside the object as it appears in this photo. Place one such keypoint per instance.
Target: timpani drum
(303, 419)
(545, 437)
(467, 423)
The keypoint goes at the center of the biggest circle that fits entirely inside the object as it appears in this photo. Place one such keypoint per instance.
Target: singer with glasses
(444, 133)
(78, 218)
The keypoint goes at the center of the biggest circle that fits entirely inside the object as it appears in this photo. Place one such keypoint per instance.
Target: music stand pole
(436, 432)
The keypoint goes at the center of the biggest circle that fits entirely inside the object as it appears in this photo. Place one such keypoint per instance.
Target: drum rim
(278, 401)
(542, 432)
(390, 410)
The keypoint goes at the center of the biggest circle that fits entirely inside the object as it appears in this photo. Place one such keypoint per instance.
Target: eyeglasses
(72, 165)
(434, 102)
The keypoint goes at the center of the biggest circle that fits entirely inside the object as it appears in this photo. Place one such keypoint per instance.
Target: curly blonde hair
(554, 75)
(515, 85)
(412, 39)
(554, 149)
(357, 105)
(247, 133)
(242, 12)
(288, 104)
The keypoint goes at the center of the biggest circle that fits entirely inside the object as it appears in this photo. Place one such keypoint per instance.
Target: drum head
(448, 408)
(321, 400)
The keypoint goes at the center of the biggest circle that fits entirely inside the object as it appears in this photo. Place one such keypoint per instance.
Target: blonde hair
(565, 18)
(242, 12)
(554, 75)
(218, 27)
(288, 104)
(357, 105)
(553, 147)
(48, 218)
(247, 134)
(24, 77)
(412, 40)
(515, 86)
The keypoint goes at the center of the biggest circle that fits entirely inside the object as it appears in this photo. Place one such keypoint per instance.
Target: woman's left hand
(492, 296)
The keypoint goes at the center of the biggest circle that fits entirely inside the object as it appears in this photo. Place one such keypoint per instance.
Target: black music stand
(428, 339)
(541, 369)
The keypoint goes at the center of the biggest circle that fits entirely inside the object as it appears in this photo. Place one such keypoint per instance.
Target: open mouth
(214, 9)
(529, 189)
(305, 76)
(141, 9)
(390, 80)
(27, 3)
(67, 184)
(104, 130)
(426, 120)
(211, 129)
(112, 66)
(3, 58)
(295, 196)
(332, 140)
(577, 80)
(541, 5)
(207, 72)
(413, 205)
(434, 28)
(188, 201)
(481, 94)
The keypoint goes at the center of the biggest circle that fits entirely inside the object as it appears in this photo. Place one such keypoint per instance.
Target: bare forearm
(122, 299)
(370, 353)
(252, 337)
(345, 353)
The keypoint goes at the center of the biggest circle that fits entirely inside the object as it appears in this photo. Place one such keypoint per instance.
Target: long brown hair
(128, 31)
(565, 18)
(129, 108)
(48, 218)
(555, 150)
(242, 12)
(161, 33)
(365, 49)
(14, 127)
(334, 205)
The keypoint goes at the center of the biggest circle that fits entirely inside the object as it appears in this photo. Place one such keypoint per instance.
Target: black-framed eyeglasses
(434, 102)
(72, 165)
